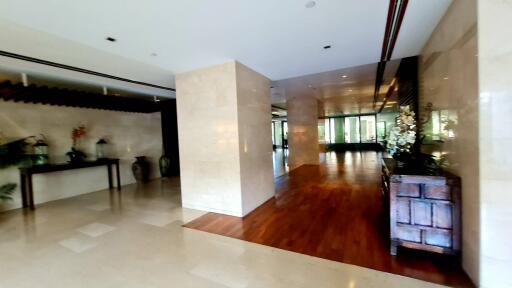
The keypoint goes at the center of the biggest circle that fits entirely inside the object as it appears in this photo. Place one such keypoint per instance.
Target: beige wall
(303, 131)
(130, 135)
(225, 139)
(448, 79)
(495, 84)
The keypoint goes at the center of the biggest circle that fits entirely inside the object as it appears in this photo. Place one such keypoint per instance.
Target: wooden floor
(334, 211)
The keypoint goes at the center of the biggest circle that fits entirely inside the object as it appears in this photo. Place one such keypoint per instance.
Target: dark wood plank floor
(334, 211)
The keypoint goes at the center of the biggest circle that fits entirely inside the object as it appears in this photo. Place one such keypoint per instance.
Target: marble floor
(135, 239)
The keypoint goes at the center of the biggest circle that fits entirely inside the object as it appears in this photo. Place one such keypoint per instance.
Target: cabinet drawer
(408, 190)
(437, 192)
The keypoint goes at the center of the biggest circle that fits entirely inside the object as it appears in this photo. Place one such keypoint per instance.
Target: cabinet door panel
(438, 238)
(408, 234)
(422, 213)
(443, 214)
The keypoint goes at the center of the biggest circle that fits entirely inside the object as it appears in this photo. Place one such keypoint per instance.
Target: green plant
(6, 191)
(11, 154)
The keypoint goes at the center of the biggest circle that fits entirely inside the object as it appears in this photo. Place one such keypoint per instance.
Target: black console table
(27, 194)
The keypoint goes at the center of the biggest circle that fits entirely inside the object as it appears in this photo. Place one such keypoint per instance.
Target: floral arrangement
(76, 155)
(403, 135)
(77, 133)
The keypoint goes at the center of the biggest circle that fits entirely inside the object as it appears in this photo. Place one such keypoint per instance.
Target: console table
(27, 194)
(424, 210)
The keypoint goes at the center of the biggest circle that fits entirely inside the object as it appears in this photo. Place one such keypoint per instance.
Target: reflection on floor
(333, 211)
(280, 161)
(135, 239)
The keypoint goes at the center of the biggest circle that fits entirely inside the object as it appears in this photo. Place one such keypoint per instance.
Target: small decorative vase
(165, 166)
(140, 169)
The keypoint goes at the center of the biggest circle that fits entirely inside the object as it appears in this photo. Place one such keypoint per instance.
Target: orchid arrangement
(403, 135)
(77, 133)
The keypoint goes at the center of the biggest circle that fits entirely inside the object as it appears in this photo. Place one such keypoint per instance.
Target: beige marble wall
(303, 131)
(224, 138)
(495, 84)
(129, 134)
(448, 80)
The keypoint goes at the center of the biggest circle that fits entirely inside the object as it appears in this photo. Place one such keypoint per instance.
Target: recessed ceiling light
(327, 47)
(445, 78)
(350, 90)
(344, 76)
(111, 39)
(310, 4)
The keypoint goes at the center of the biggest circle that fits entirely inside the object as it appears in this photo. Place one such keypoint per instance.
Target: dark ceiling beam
(80, 70)
(396, 12)
(74, 98)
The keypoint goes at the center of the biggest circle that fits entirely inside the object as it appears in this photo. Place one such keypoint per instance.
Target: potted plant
(11, 154)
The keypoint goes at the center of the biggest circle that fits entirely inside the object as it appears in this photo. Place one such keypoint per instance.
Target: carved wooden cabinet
(424, 210)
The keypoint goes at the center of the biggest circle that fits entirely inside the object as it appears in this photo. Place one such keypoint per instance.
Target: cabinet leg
(23, 187)
(393, 249)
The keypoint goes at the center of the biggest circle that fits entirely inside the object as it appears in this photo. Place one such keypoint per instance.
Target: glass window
(368, 129)
(352, 130)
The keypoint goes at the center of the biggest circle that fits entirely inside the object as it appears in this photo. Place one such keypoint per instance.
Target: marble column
(225, 141)
(495, 85)
(303, 142)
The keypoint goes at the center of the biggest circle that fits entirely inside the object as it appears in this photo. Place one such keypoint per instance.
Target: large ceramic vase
(140, 169)
(165, 166)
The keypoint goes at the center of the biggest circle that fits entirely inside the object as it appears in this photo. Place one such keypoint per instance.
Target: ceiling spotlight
(111, 39)
(445, 78)
(310, 4)
(344, 76)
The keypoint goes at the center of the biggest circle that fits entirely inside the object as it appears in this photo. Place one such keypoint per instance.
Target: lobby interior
(255, 143)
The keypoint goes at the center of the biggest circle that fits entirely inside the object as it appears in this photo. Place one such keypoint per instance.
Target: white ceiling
(280, 39)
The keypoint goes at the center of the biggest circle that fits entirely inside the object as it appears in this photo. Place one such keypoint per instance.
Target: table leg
(109, 171)
(118, 176)
(30, 194)
(23, 188)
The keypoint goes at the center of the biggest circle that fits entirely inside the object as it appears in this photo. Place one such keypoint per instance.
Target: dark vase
(165, 166)
(140, 169)
(402, 159)
(75, 156)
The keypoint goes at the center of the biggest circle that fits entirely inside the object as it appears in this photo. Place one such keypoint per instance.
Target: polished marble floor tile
(150, 248)
(77, 244)
(95, 229)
